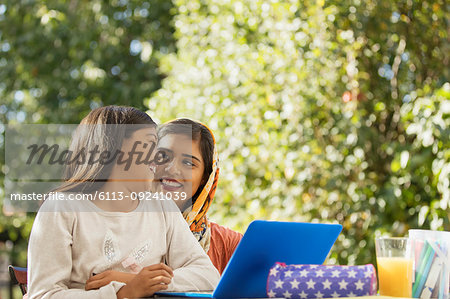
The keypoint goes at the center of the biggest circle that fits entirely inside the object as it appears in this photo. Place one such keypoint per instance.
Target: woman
(192, 168)
(73, 240)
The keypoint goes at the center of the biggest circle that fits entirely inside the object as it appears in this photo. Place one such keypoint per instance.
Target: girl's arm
(193, 270)
(50, 260)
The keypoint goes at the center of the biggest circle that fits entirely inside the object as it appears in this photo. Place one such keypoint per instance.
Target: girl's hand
(150, 280)
(104, 278)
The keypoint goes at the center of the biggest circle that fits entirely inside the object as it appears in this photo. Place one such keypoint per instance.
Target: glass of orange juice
(395, 266)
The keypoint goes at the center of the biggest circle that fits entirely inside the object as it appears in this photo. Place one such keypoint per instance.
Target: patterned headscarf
(195, 215)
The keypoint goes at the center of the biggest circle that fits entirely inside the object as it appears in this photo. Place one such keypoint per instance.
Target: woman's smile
(171, 184)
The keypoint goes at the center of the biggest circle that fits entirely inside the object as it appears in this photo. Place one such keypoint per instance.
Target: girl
(73, 240)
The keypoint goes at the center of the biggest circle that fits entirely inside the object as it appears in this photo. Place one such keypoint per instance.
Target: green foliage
(60, 59)
(323, 110)
(306, 99)
(428, 158)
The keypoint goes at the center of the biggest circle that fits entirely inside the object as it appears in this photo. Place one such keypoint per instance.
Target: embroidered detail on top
(134, 260)
(140, 253)
(110, 248)
(131, 264)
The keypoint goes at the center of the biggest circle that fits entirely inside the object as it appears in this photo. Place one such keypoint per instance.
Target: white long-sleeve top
(72, 240)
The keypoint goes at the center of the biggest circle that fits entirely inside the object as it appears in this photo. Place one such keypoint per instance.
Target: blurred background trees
(60, 59)
(323, 110)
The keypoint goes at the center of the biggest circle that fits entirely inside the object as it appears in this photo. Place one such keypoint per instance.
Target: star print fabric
(321, 281)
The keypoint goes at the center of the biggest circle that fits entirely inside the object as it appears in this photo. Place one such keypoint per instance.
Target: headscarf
(195, 215)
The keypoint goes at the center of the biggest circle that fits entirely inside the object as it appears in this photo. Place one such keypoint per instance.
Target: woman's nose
(172, 168)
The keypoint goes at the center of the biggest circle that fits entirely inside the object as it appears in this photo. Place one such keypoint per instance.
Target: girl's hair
(198, 132)
(102, 130)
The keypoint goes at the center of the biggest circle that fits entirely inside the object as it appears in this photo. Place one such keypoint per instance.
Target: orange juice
(395, 276)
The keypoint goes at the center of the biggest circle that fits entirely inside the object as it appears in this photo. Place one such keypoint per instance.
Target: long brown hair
(104, 130)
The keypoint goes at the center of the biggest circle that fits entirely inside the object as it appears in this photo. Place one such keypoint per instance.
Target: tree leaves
(333, 111)
(305, 101)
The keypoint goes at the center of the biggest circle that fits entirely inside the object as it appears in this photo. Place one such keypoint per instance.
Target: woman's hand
(104, 278)
(150, 280)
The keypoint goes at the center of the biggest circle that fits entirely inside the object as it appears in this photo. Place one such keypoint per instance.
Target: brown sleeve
(223, 243)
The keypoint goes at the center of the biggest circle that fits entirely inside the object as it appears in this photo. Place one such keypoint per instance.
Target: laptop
(265, 243)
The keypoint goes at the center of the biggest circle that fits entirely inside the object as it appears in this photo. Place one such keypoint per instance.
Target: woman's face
(184, 170)
(134, 167)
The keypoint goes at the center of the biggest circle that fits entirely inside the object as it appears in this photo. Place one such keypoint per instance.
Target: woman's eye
(188, 163)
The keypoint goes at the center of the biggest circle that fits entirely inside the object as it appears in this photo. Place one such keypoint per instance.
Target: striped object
(320, 281)
(195, 215)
